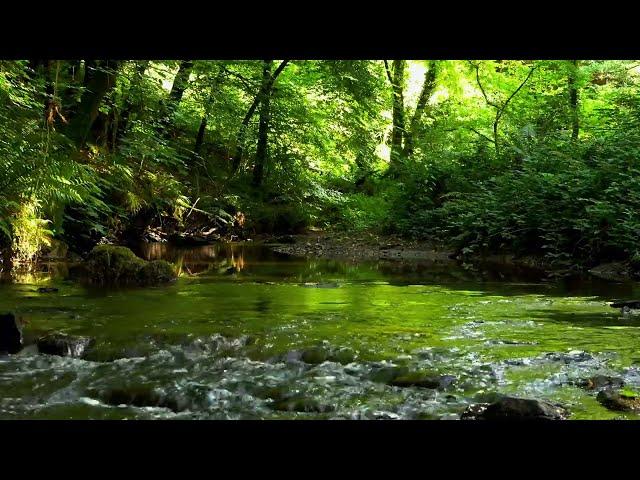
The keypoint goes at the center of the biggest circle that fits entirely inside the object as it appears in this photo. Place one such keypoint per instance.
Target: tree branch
(504, 106)
(484, 94)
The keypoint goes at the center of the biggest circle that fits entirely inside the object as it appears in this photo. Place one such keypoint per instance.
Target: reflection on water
(197, 260)
(491, 328)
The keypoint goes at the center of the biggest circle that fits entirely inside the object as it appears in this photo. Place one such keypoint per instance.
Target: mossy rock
(387, 374)
(598, 382)
(315, 355)
(343, 356)
(621, 400)
(155, 272)
(110, 264)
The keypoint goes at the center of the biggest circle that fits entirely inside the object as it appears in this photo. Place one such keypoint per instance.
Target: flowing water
(225, 343)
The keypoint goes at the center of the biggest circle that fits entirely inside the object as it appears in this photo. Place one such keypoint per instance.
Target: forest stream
(248, 333)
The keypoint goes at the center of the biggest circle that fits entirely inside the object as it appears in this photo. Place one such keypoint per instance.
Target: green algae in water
(493, 335)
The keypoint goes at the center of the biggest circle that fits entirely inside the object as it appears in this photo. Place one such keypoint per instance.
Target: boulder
(10, 334)
(64, 345)
(514, 408)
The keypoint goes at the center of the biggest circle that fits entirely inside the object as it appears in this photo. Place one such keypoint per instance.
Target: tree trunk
(133, 102)
(207, 111)
(573, 100)
(239, 150)
(180, 83)
(200, 136)
(427, 90)
(100, 83)
(397, 134)
(263, 129)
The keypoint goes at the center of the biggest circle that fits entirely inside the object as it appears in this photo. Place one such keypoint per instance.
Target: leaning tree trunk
(573, 100)
(101, 81)
(239, 149)
(180, 83)
(263, 129)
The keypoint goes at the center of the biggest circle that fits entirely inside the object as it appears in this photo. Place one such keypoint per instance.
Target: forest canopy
(519, 156)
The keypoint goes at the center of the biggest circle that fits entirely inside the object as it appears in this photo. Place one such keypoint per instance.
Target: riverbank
(368, 246)
(360, 246)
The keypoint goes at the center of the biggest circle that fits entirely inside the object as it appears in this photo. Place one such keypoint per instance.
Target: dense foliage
(487, 156)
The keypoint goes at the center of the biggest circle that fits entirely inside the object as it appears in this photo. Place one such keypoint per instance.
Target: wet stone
(343, 356)
(64, 345)
(300, 404)
(619, 401)
(598, 382)
(10, 334)
(573, 356)
(142, 396)
(315, 356)
(387, 374)
(514, 408)
(423, 380)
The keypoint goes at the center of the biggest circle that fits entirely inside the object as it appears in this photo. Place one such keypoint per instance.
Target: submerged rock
(109, 264)
(569, 357)
(343, 356)
(619, 400)
(47, 290)
(387, 374)
(598, 382)
(64, 345)
(315, 356)
(300, 404)
(142, 396)
(10, 334)
(514, 408)
(631, 304)
(423, 380)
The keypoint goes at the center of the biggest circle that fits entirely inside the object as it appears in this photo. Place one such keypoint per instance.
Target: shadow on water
(432, 314)
(589, 319)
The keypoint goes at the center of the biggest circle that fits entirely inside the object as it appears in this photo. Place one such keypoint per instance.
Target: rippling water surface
(224, 345)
